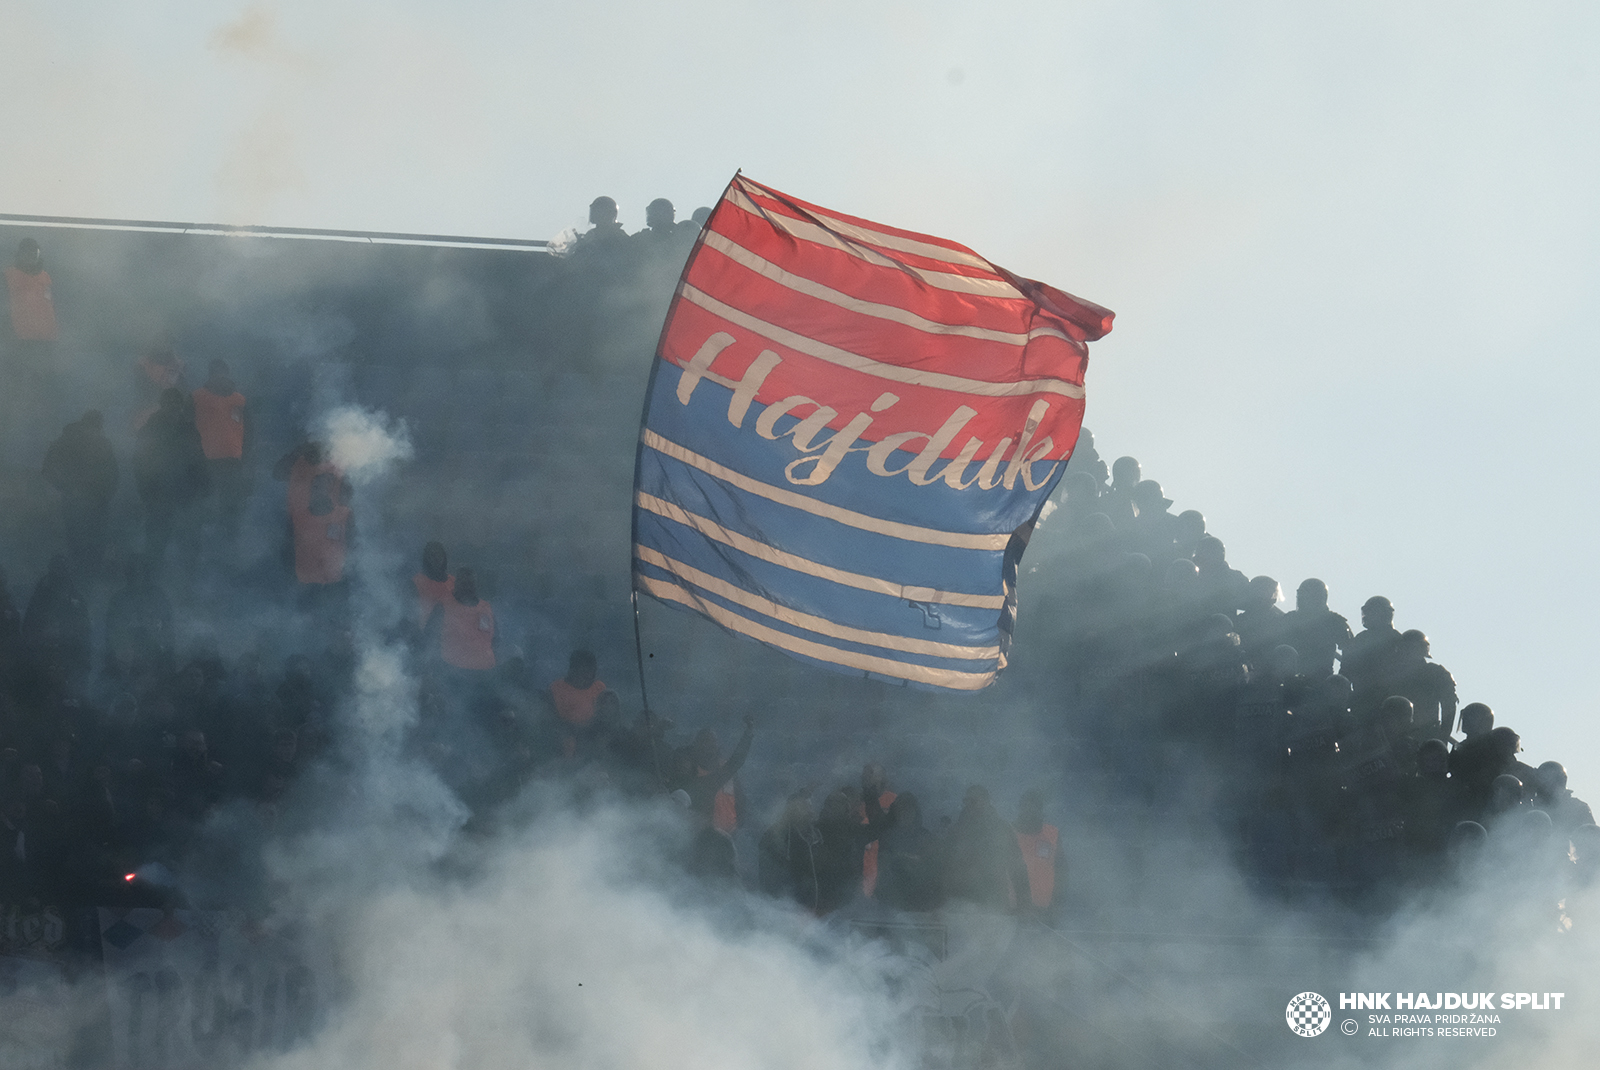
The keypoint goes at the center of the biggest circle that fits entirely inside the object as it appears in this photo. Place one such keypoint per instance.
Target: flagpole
(638, 463)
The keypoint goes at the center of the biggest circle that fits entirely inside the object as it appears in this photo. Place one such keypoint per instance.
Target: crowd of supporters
(1332, 757)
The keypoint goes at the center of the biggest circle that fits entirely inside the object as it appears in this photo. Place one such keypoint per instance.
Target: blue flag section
(810, 471)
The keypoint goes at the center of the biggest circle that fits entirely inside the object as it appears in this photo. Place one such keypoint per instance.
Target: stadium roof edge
(375, 237)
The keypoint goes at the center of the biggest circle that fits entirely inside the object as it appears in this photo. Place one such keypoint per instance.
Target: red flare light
(129, 876)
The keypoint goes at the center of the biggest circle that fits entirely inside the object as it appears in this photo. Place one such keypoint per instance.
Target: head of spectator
(1395, 715)
(1283, 662)
(219, 378)
(1433, 760)
(706, 750)
(1505, 743)
(466, 590)
(1263, 593)
(602, 211)
(874, 781)
(1467, 842)
(1311, 596)
(659, 215)
(30, 258)
(172, 402)
(1210, 554)
(435, 562)
(1377, 612)
(1148, 499)
(1336, 693)
(582, 668)
(1030, 812)
(1191, 526)
(700, 215)
(1477, 719)
(1125, 474)
(1505, 794)
(1414, 647)
(1550, 780)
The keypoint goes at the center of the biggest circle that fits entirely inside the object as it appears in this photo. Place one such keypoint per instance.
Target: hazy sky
(1352, 247)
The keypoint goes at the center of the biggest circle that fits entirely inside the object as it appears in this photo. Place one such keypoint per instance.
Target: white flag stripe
(897, 242)
(854, 361)
(940, 280)
(894, 529)
(820, 625)
(899, 670)
(800, 284)
(796, 563)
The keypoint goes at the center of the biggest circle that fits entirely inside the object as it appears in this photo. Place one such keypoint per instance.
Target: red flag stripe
(895, 372)
(930, 245)
(743, 256)
(991, 285)
(893, 341)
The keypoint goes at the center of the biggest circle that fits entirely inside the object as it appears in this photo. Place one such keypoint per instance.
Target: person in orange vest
(220, 417)
(874, 785)
(321, 525)
(299, 468)
(435, 586)
(1041, 853)
(33, 309)
(29, 349)
(466, 627)
(573, 699)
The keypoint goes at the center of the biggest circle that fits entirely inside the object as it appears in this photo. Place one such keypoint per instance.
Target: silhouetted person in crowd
(139, 626)
(1087, 460)
(55, 628)
(1261, 624)
(786, 865)
(1316, 631)
(158, 370)
(1188, 528)
(434, 584)
(660, 237)
(709, 780)
(983, 864)
(1117, 502)
(83, 468)
(841, 842)
(1153, 528)
(11, 648)
(1429, 803)
(874, 785)
(1040, 844)
(1369, 656)
(910, 857)
(605, 232)
(222, 418)
(1551, 794)
(169, 468)
(1222, 589)
(1429, 686)
(1469, 755)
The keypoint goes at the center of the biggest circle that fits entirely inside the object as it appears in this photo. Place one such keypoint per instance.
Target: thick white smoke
(363, 442)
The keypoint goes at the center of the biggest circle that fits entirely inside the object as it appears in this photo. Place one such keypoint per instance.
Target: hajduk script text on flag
(849, 435)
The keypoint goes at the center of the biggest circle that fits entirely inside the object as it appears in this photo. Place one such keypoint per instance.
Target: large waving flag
(849, 434)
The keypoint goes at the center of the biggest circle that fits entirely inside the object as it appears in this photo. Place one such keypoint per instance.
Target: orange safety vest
(430, 593)
(220, 420)
(1039, 853)
(33, 312)
(467, 638)
(320, 543)
(574, 706)
(869, 857)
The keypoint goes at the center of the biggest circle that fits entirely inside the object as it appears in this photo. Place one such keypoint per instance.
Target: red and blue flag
(849, 435)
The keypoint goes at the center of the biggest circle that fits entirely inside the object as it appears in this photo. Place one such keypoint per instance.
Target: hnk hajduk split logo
(1308, 1014)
